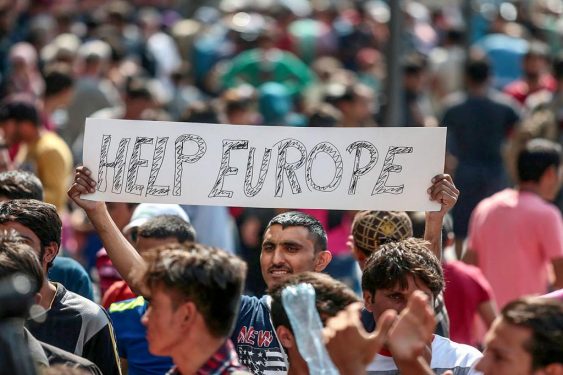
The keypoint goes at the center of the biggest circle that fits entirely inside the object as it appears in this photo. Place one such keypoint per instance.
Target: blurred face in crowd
(46, 254)
(9, 131)
(163, 321)
(505, 353)
(289, 251)
(394, 298)
(534, 66)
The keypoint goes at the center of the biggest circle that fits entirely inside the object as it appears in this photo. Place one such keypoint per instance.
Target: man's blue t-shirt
(255, 339)
(130, 335)
(72, 275)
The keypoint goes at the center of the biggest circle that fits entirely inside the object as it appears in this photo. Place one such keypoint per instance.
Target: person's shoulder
(249, 301)
(534, 204)
(50, 139)
(448, 353)
(67, 264)
(454, 101)
(498, 198)
(89, 311)
(60, 356)
(130, 306)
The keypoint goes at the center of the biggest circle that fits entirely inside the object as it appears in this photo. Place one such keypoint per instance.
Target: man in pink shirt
(515, 235)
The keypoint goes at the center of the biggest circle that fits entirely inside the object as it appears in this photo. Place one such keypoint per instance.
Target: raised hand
(443, 191)
(84, 184)
(350, 347)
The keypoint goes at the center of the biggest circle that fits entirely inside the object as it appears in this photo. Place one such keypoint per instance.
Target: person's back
(516, 233)
(478, 126)
(467, 294)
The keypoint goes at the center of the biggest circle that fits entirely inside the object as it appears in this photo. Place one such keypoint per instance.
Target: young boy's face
(394, 298)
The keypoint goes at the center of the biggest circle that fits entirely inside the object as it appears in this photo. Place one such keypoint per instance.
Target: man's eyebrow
(291, 243)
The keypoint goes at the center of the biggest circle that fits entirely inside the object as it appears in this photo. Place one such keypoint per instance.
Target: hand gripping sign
(263, 166)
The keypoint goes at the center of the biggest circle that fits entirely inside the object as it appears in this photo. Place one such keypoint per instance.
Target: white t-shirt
(446, 355)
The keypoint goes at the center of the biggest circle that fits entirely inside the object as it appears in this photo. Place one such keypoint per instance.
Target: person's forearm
(122, 254)
(433, 233)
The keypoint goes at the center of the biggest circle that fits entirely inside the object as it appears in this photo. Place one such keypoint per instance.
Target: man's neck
(530, 187)
(297, 365)
(189, 359)
(48, 291)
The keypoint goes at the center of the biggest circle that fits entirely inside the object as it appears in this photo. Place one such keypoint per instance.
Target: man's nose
(279, 257)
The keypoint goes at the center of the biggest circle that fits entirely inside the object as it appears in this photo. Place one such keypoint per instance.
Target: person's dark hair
(544, 317)
(536, 157)
(17, 257)
(19, 111)
(138, 88)
(455, 36)
(331, 296)
(324, 116)
(414, 64)
(58, 78)
(300, 219)
(557, 67)
(396, 261)
(164, 226)
(203, 112)
(209, 277)
(40, 217)
(20, 185)
(477, 70)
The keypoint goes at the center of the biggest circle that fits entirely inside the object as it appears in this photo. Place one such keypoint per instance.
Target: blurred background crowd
(489, 70)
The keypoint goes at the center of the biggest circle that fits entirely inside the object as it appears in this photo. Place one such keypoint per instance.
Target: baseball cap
(370, 229)
(146, 211)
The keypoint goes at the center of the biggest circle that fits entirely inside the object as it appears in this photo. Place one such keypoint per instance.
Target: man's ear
(50, 252)
(551, 369)
(188, 311)
(322, 260)
(368, 300)
(286, 337)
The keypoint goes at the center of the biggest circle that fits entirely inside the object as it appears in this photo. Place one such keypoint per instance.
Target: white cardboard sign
(263, 166)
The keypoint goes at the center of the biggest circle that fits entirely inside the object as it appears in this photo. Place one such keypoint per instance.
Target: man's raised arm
(122, 254)
(444, 192)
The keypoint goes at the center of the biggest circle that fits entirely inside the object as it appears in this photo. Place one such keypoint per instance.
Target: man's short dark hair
(544, 317)
(209, 277)
(478, 70)
(165, 226)
(331, 296)
(17, 257)
(300, 219)
(537, 156)
(58, 78)
(19, 111)
(20, 185)
(40, 217)
(557, 67)
(396, 261)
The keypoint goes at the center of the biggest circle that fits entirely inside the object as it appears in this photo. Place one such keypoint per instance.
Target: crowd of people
(125, 288)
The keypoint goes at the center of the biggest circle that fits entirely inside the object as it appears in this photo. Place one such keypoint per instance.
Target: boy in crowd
(194, 300)
(391, 276)
(72, 322)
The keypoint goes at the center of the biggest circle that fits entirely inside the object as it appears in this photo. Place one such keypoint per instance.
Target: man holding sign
(293, 242)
